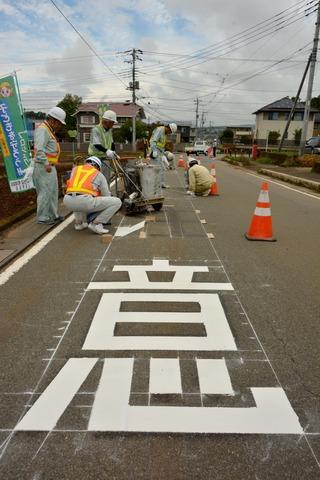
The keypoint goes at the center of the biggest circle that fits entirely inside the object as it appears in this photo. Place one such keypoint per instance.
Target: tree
(297, 136)
(227, 136)
(273, 137)
(125, 131)
(70, 104)
(315, 102)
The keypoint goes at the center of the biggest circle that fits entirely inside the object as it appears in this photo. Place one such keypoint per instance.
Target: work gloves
(111, 155)
(29, 171)
(153, 154)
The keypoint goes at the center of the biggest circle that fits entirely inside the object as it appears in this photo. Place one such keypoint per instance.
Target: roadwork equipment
(181, 162)
(214, 186)
(261, 224)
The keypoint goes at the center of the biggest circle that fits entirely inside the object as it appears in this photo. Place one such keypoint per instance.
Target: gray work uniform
(46, 183)
(83, 204)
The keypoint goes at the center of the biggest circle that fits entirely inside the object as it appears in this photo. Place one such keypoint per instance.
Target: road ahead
(167, 354)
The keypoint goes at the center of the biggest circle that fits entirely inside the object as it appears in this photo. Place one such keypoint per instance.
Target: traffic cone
(214, 186)
(181, 162)
(261, 224)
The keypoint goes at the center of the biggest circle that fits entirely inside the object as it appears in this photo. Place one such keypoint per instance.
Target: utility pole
(310, 84)
(197, 116)
(133, 86)
(294, 104)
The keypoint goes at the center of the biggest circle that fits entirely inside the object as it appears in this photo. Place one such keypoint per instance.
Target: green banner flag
(13, 136)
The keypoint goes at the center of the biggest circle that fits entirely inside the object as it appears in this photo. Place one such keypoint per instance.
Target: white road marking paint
(123, 231)
(111, 411)
(138, 278)
(212, 316)
(214, 377)
(165, 375)
(28, 255)
(285, 186)
(49, 407)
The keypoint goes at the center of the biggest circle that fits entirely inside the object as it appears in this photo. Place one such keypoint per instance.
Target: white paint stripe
(317, 197)
(165, 375)
(115, 375)
(111, 411)
(101, 332)
(214, 377)
(159, 286)
(26, 257)
(49, 407)
(262, 212)
(123, 231)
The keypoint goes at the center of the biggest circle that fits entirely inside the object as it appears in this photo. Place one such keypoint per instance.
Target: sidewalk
(20, 236)
(301, 176)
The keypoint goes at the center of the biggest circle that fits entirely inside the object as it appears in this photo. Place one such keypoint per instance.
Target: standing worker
(158, 142)
(88, 192)
(214, 147)
(200, 180)
(45, 179)
(101, 142)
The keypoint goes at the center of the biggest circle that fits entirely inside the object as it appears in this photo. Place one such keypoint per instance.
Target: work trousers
(82, 205)
(46, 185)
(158, 161)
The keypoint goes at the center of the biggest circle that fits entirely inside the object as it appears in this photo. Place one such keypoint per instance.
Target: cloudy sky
(234, 56)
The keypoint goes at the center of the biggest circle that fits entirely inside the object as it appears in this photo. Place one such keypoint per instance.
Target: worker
(46, 156)
(158, 142)
(214, 147)
(87, 193)
(199, 178)
(101, 142)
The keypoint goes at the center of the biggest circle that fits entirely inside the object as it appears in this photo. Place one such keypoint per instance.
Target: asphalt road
(167, 354)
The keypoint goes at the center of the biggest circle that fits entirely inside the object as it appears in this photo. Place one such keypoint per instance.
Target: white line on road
(26, 257)
(317, 197)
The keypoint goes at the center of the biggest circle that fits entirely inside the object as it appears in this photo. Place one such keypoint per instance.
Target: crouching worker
(87, 193)
(200, 180)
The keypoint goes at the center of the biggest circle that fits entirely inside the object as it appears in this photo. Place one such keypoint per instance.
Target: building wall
(263, 126)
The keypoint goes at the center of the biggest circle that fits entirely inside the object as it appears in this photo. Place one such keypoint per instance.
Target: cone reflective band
(214, 186)
(181, 162)
(261, 224)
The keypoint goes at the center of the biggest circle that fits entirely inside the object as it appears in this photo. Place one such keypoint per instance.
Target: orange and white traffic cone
(181, 162)
(261, 224)
(214, 186)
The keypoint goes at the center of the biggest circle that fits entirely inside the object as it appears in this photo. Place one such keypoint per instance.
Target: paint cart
(137, 184)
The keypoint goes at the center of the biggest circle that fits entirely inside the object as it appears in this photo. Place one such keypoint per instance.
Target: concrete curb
(302, 182)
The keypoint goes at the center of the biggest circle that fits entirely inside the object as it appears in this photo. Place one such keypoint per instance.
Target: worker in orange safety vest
(88, 193)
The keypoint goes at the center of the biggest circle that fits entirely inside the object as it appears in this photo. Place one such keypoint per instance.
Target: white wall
(263, 126)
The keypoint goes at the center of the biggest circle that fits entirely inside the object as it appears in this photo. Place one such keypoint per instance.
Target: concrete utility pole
(310, 84)
(133, 86)
(197, 116)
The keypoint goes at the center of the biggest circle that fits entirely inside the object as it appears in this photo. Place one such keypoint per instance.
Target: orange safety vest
(81, 180)
(53, 158)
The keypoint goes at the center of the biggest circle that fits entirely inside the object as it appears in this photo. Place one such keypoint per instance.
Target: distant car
(198, 148)
(313, 145)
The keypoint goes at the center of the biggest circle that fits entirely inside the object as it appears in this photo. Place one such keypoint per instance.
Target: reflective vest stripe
(53, 158)
(81, 180)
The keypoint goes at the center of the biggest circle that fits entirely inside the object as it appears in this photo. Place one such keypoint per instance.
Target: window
(273, 116)
(298, 116)
(86, 137)
(88, 119)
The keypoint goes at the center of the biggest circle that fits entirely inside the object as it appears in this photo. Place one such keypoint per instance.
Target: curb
(303, 182)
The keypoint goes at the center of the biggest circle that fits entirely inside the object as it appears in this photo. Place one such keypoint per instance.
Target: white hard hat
(169, 155)
(193, 161)
(173, 127)
(58, 114)
(94, 161)
(110, 115)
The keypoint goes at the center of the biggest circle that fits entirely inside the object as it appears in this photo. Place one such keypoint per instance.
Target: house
(273, 117)
(88, 115)
(242, 133)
